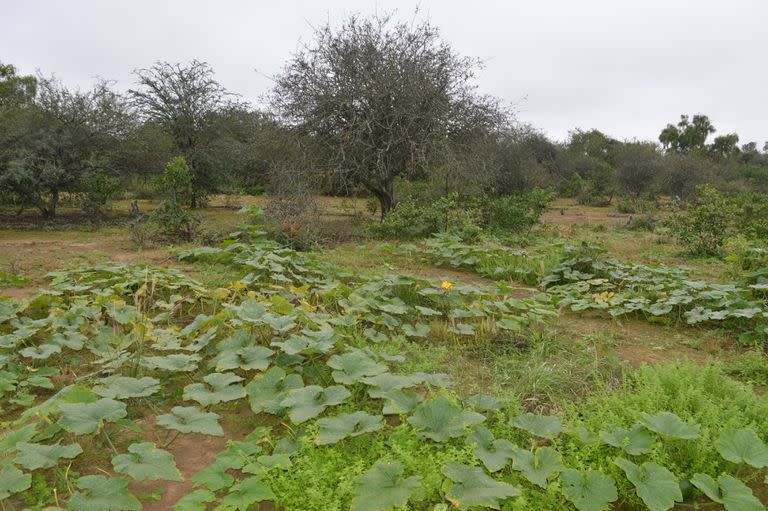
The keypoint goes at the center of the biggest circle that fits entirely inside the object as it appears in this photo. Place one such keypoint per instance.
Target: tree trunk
(48, 209)
(386, 198)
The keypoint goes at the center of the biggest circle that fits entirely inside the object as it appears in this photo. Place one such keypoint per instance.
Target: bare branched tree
(183, 99)
(382, 99)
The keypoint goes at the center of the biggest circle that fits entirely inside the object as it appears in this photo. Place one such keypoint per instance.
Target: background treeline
(363, 107)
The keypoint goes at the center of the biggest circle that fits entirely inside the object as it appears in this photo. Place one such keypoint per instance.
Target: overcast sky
(625, 67)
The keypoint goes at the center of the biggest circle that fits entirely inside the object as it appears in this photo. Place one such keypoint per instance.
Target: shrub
(704, 226)
(410, 220)
(171, 218)
(293, 219)
(96, 192)
(752, 218)
(515, 214)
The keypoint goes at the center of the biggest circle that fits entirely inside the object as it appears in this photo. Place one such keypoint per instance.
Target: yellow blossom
(446, 285)
(221, 293)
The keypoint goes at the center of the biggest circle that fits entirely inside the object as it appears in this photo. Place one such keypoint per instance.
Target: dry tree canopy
(382, 98)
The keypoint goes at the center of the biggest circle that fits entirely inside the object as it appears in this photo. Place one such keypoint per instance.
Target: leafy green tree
(688, 135)
(638, 168)
(588, 162)
(50, 145)
(381, 99)
(724, 146)
(15, 89)
(183, 99)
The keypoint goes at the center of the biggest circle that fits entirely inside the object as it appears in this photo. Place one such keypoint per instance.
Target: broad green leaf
(85, 418)
(494, 453)
(177, 362)
(654, 484)
(590, 490)
(244, 494)
(353, 366)
(35, 456)
(190, 419)
(484, 403)
(334, 429)
(248, 359)
(11, 438)
(416, 330)
(537, 466)
(195, 501)
(383, 487)
(145, 461)
(381, 384)
(125, 387)
(252, 311)
(13, 480)
(268, 390)
(728, 491)
(103, 494)
(41, 352)
(280, 323)
(71, 340)
(441, 380)
(545, 426)
(742, 446)
(440, 419)
(214, 477)
(462, 329)
(308, 402)
(305, 345)
(400, 402)
(636, 441)
(221, 387)
(473, 487)
(121, 312)
(669, 424)
(426, 311)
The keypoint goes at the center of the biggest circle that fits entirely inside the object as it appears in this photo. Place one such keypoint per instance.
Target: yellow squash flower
(446, 285)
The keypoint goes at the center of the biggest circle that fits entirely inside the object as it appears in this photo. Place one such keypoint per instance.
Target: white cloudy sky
(626, 67)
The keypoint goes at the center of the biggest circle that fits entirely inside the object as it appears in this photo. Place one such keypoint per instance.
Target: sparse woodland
(379, 290)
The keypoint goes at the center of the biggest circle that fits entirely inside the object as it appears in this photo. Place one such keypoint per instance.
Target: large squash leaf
(728, 491)
(190, 419)
(35, 456)
(588, 491)
(197, 500)
(654, 484)
(494, 453)
(218, 388)
(103, 494)
(537, 466)
(125, 387)
(333, 429)
(84, 418)
(440, 419)
(545, 426)
(742, 446)
(353, 366)
(244, 494)
(669, 424)
(268, 390)
(13, 480)
(145, 461)
(383, 487)
(308, 402)
(635, 441)
(473, 487)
